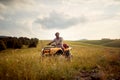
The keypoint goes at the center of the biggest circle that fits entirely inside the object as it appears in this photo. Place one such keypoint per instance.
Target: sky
(73, 19)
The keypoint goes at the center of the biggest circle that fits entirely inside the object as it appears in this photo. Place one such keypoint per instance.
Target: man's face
(57, 35)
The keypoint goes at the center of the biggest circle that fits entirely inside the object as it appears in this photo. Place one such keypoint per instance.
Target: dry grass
(27, 64)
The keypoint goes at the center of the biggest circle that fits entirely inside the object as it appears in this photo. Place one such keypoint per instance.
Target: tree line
(17, 43)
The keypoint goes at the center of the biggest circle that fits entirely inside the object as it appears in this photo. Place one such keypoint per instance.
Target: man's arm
(50, 42)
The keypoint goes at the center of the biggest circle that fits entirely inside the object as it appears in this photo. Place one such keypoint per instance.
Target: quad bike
(52, 50)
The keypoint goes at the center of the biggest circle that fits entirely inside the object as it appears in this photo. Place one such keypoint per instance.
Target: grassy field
(104, 42)
(89, 62)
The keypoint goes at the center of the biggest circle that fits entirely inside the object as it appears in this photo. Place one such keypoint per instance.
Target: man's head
(57, 34)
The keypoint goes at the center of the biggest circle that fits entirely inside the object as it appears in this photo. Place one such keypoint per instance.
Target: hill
(108, 42)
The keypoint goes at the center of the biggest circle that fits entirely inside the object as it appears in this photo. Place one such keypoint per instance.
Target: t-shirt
(58, 42)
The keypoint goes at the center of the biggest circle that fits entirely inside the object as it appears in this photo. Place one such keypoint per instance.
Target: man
(58, 41)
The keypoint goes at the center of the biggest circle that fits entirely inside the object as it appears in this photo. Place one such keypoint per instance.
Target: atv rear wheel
(60, 52)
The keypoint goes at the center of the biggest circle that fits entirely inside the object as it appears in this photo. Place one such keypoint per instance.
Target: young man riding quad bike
(58, 48)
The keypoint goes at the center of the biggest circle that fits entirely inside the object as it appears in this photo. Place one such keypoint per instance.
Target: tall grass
(27, 64)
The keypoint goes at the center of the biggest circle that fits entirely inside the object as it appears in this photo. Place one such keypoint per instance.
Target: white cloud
(59, 21)
(1, 18)
(75, 19)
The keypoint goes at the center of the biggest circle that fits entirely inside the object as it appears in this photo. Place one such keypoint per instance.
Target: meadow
(88, 62)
